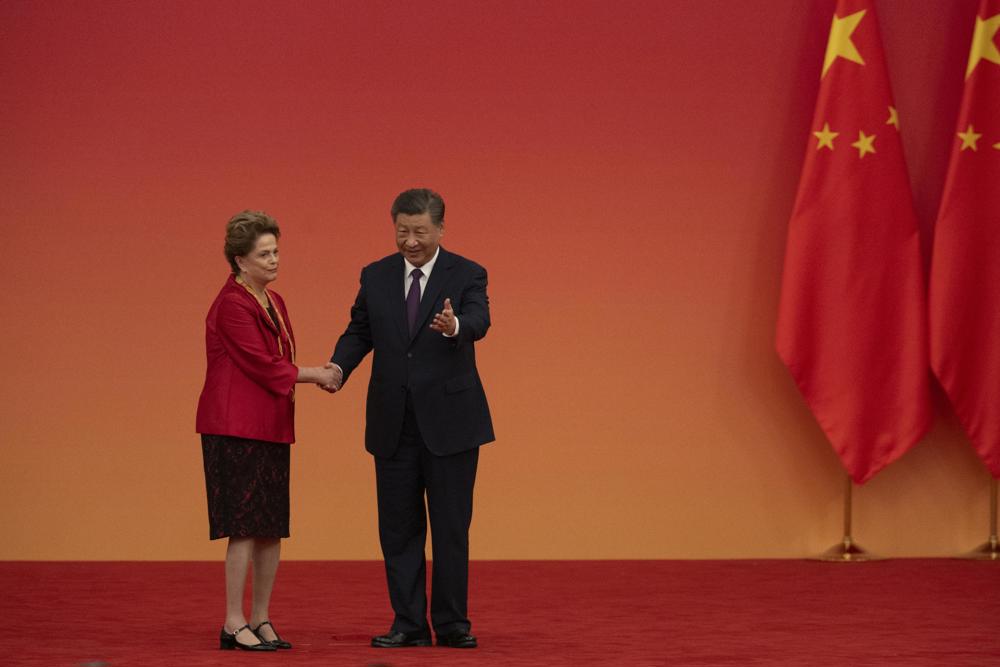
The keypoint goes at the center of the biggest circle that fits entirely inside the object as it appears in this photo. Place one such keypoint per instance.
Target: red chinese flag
(965, 268)
(852, 318)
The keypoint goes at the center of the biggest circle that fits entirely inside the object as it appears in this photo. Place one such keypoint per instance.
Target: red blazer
(248, 382)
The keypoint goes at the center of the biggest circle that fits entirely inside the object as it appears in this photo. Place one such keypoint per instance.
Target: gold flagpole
(990, 550)
(847, 551)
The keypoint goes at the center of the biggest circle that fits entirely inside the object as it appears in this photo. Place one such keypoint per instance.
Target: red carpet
(944, 613)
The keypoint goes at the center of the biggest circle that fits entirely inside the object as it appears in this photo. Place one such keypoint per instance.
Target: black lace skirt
(247, 484)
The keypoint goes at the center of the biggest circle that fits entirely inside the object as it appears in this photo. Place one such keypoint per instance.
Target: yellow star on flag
(997, 145)
(840, 44)
(864, 144)
(983, 46)
(825, 137)
(969, 138)
(893, 118)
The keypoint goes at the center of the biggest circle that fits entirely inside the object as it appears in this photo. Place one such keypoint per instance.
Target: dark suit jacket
(439, 373)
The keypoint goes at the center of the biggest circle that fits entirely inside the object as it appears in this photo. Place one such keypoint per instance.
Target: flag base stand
(988, 551)
(847, 550)
(991, 549)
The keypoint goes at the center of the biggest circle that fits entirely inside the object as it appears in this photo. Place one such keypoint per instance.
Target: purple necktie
(413, 299)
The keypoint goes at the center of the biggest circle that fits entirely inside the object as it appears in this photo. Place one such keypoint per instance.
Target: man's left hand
(444, 322)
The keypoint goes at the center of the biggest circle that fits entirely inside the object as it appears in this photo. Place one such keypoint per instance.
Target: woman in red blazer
(246, 418)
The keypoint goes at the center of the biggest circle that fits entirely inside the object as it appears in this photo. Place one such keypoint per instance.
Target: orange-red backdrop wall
(625, 170)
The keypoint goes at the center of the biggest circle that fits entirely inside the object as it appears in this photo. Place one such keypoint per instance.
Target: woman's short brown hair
(242, 232)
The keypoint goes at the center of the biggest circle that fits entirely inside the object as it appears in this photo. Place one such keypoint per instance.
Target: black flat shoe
(277, 642)
(393, 639)
(457, 639)
(227, 641)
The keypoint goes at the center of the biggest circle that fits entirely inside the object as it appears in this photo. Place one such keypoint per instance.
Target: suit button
(409, 355)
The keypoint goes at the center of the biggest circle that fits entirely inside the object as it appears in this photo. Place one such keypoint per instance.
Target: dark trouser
(448, 481)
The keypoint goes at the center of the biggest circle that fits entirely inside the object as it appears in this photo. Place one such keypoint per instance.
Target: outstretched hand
(444, 322)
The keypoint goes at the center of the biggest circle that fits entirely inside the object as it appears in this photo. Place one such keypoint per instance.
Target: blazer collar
(262, 314)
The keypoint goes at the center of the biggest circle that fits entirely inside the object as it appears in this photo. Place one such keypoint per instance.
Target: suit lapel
(397, 304)
(439, 277)
(262, 314)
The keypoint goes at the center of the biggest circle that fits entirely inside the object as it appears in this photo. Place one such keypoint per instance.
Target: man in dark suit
(426, 415)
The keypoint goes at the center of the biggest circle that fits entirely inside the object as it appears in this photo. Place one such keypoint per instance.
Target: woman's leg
(238, 556)
(266, 554)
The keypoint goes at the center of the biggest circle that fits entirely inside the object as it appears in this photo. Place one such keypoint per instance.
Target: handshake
(328, 378)
(331, 377)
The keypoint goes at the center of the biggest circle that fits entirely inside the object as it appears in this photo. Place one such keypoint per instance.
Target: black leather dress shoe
(228, 642)
(393, 639)
(457, 639)
(277, 642)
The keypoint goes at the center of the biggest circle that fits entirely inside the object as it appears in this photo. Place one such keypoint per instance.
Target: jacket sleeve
(241, 336)
(356, 341)
(474, 318)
